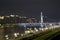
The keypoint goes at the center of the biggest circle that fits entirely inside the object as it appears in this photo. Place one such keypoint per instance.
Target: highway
(46, 35)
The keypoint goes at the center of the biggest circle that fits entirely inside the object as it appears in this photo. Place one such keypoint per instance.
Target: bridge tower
(41, 20)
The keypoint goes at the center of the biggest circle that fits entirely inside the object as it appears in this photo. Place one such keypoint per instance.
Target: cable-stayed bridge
(41, 24)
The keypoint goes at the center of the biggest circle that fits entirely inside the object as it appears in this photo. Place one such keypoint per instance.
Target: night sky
(32, 8)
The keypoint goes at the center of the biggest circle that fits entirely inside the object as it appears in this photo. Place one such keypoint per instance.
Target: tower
(41, 19)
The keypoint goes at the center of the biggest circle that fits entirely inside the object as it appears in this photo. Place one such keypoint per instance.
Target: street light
(36, 29)
(15, 34)
(6, 36)
(1, 17)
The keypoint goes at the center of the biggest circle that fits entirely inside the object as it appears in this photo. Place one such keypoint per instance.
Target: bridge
(36, 24)
(41, 24)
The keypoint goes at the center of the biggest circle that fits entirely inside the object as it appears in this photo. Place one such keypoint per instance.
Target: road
(50, 35)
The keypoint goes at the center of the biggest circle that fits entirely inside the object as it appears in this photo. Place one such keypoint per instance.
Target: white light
(50, 24)
(32, 31)
(16, 15)
(7, 38)
(12, 15)
(6, 35)
(42, 29)
(2, 17)
(46, 28)
(27, 32)
(36, 29)
(15, 34)
(27, 28)
(22, 35)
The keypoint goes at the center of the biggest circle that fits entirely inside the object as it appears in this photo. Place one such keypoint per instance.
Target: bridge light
(50, 24)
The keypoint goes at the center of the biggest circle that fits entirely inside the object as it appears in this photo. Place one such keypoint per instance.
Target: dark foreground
(57, 37)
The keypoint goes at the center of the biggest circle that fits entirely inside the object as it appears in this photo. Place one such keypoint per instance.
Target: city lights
(1, 17)
(20, 26)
